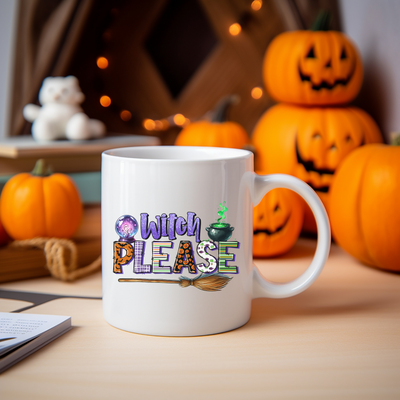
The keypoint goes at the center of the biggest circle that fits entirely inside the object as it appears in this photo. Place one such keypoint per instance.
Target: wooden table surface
(338, 339)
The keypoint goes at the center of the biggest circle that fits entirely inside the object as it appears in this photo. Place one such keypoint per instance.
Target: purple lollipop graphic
(126, 227)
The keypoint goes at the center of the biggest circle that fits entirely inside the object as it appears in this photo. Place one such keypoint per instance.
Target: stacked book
(82, 162)
(23, 334)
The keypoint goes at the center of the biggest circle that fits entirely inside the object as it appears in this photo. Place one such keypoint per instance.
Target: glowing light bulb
(179, 119)
(165, 124)
(125, 115)
(256, 5)
(158, 125)
(256, 93)
(235, 29)
(149, 124)
(105, 101)
(102, 62)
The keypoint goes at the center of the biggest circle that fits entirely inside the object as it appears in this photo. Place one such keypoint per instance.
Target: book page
(17, 329)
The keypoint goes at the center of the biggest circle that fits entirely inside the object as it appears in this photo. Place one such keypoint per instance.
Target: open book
(23, 334)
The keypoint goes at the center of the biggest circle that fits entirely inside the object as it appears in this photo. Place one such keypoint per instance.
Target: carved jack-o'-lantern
(312, 68)
(310, 143)
(277, 222)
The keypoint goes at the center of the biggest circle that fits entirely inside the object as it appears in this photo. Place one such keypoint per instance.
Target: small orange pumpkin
(215, 133)
(310, 143)
(277, 222)
(364, 205)
(315, 67)
(40, 204)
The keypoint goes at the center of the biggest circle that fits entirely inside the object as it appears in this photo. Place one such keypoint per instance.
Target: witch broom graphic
(208, 283)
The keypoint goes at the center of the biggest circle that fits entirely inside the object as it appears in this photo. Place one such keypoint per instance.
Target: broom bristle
(184, 282)
(208, 283)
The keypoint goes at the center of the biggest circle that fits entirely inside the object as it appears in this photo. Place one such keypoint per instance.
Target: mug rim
(179, 154)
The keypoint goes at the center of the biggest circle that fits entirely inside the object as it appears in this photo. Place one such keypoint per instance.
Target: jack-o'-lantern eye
(343, 55)
(348, 139)
(311, 53)
(316, 136)
(277, 208)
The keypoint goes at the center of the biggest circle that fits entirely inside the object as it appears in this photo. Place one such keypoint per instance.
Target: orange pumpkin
(364, 206)
(312, 68)
(277, 222)
(215, 133)
(40, 204)
(310, 143)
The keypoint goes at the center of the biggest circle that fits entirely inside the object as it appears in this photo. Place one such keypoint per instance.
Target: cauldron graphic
(219, 232)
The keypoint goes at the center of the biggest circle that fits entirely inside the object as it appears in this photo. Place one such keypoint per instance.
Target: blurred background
(169, 57)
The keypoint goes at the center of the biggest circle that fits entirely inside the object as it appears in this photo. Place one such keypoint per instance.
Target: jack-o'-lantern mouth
(324, 84)
(270, 232)
(310, 167)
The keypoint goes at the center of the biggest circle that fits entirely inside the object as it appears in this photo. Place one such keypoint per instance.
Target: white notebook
(23, 334)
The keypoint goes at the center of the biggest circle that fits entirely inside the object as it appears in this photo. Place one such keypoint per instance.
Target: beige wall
(7, 23)
(374, 25)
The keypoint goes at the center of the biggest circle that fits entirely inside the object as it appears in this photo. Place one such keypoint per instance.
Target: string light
(179, 119)
(256, 93)
(105, 101)
(158, 125)
(102, 62)
(125, 115)
(256, 5)
(165, 124)
(235, 29)
(149, 124)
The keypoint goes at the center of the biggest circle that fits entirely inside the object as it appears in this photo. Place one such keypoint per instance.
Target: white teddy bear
(61, 116)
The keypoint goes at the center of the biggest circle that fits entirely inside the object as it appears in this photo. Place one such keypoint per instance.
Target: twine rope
(56, 251)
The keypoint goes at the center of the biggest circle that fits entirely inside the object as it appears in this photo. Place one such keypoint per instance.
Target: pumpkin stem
(322, 22)
(395, 139)
(221, 109)
(41, 168)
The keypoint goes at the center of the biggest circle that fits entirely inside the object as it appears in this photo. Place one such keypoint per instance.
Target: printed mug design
(216, 253)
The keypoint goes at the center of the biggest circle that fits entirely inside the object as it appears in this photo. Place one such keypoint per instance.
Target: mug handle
(262, 185)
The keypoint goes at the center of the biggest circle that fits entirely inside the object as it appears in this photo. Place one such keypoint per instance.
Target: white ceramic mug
(177, 231)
